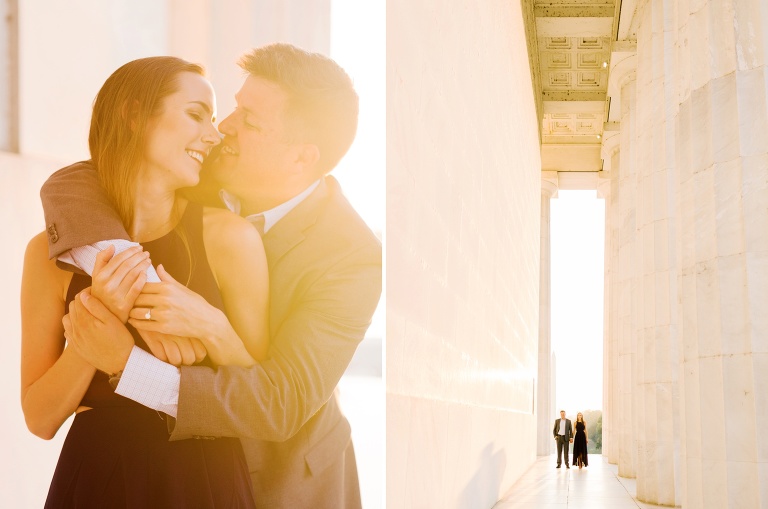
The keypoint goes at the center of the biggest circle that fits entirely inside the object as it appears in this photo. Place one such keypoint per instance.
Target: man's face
(256, 151)
(562, 415)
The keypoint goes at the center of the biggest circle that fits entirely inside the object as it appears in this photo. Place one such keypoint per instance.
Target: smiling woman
(163, 127)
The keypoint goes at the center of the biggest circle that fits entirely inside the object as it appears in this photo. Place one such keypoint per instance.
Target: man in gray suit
(296, 117)
(563, 432)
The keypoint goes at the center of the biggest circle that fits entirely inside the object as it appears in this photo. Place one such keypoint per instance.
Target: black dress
(118, 455)
(580, 445)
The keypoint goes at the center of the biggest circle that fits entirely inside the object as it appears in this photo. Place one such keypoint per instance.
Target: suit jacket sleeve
(77, 210)
(308, 355)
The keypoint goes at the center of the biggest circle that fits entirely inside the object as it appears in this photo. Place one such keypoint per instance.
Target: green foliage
(594, 420)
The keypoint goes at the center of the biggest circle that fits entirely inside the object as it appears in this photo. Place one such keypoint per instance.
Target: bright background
(577, 232)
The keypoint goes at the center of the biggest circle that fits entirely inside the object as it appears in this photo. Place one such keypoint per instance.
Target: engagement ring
(148, 316)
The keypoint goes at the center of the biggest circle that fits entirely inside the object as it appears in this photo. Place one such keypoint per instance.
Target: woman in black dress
(152, 126)
(580, 442)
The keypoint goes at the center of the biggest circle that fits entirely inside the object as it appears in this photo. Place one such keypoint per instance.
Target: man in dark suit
(563, 432)
(296, 117)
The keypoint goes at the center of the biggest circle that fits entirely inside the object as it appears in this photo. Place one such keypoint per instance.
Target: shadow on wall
(483, 489)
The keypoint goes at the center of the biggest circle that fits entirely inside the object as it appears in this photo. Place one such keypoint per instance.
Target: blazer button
(53, 235)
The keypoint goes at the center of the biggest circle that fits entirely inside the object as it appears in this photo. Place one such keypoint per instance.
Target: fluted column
(722, 172)
(656, 390)
(626, 284)
(608, 190)
(545, 418)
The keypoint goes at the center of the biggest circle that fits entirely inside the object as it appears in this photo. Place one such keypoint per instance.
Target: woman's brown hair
(126, 101)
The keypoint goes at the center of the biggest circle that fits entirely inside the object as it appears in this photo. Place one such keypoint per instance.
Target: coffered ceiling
(571, 43)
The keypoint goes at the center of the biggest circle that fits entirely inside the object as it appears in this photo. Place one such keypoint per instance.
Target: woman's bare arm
(236, 255)
(53, 378)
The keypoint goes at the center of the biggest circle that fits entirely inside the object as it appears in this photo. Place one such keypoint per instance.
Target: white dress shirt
(562, 427)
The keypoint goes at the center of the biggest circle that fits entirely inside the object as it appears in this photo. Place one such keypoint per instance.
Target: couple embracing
(210, 381)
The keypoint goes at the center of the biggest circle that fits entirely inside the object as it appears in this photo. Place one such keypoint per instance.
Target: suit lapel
(290, 230)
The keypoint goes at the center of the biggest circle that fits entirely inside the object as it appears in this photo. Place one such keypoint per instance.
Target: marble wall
(462, 251)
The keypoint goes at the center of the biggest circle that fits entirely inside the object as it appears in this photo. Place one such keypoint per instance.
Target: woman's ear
(130, 114)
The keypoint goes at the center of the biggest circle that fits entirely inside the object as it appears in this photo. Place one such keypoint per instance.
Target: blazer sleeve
(77, 210)
(273, 399)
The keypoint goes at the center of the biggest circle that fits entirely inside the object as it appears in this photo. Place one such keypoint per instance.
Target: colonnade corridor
(597, 486)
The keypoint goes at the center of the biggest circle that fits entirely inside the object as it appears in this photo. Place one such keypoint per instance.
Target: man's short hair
(322, 102)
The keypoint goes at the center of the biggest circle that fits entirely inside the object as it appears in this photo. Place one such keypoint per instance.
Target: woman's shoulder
(36, 261)
(223, 229)
(37, 251)
(224, 222)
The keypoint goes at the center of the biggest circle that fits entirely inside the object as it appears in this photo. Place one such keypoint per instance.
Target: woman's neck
(154, 214)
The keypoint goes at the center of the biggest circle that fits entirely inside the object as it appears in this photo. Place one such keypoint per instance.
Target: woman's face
(181, 135)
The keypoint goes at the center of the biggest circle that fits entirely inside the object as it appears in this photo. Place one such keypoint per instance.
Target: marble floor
(595, 487)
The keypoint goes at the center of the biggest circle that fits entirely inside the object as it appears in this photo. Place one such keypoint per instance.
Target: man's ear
(306, 158)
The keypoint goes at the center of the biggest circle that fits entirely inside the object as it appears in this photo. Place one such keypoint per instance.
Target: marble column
(656, 389)
(722, 174)
(626, 280)
(608, 190)
(544, 403)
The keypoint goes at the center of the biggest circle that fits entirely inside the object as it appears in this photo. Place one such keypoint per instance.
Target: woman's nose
(212, 137)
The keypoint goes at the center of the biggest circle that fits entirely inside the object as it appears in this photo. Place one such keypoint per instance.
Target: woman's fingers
(102, 258)
(135, 289)
(144, 314)
(148, 301)
(103, 270)
(127, 265)
(142, 324)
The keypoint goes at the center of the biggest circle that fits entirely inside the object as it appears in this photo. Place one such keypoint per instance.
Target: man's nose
(227, 126)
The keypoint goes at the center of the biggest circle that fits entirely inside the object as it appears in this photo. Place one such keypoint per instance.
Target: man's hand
(174, 349)
(96, 334)
(118, 279)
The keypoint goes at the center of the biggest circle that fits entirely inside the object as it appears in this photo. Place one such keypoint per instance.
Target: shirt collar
(271, 216)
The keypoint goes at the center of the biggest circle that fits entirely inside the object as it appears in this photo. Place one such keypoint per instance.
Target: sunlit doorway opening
(577, 233)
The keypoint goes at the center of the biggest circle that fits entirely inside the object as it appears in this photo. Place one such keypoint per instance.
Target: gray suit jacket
(325, 283)
(568, 428)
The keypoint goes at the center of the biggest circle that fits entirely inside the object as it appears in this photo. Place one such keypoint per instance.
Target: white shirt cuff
(151, 382)
(85, 256)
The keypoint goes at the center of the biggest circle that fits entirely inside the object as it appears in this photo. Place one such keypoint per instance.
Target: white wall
(26, 462)
(462, 253)
(68, 49)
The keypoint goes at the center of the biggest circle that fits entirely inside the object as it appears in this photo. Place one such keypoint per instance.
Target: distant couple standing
(213, 385)
(563, 432)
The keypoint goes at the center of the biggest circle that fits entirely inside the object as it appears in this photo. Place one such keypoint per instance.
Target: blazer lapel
(289, 231)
